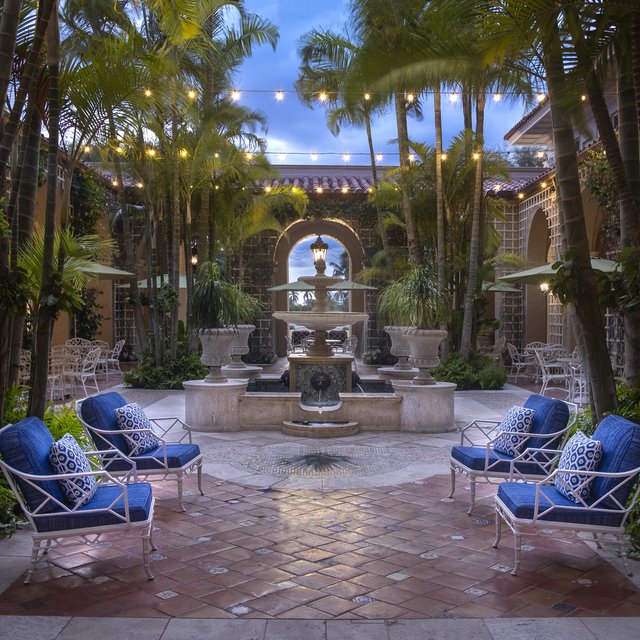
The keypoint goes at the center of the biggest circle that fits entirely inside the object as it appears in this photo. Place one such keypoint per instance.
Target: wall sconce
(544, 287)
(194, 254)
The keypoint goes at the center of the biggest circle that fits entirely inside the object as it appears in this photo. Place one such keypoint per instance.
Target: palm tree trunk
(129, 249)
(589, 315)
(415, 255)
(384, 236)
(629, 137)
(47, 310)
(440, 232)
(8, 32)
(174, 267)
(635, 60)
(474, 243)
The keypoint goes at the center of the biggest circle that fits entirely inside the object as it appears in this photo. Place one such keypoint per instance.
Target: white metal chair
(109, 360)
(476, 459)
(83, 369)
(539, 505)
(175, 457)
(115, 506)
(519, 361)
(554, 374)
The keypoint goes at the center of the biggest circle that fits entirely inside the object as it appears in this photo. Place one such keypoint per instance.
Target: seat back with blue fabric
(98, 412)
(620, 440)
(25, 446)
(550, 416)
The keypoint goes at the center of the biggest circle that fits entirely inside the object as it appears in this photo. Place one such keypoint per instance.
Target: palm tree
(327, 64)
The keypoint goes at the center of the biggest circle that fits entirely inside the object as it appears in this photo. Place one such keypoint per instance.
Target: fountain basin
(318, 429)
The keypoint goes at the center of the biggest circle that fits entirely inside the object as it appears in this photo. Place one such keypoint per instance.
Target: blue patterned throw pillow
(518, 421)
(66, 456)
(131, 416)
(581, 453)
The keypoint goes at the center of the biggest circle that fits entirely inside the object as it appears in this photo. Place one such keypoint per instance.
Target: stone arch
(297, 230)
(537, 252)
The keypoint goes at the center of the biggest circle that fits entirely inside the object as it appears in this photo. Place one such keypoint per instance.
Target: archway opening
(300, 263)
(537, 254)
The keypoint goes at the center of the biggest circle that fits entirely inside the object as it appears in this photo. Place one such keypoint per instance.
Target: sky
(299, 131)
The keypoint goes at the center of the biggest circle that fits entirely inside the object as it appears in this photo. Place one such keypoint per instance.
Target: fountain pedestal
(426, 408)
(302, 367)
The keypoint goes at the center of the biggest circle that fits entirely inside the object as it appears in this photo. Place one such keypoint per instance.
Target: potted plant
(417, 301)
(217, 307)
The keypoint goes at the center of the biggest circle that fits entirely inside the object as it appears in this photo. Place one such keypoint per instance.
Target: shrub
(457, 370)
(492, 376)
(8, 519)
(170, 375)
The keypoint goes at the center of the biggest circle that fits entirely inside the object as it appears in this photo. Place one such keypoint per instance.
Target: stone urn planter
(399, 347)
(240, 345)
(424, 345)
(216, 351)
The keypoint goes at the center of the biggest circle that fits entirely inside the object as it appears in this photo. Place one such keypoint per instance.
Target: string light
(367, 96)
(183, 153)
(497, 97)
(235, 95)
(139, 185)
(541, 97)
(344, 189)
(411, 157)
(521, 196)
(147, 93)
(279, 96)
(322, 96)
(314, 157)
(114, 183)
(249, 156)
(281, 156)
(476, 155)
(319, 189)
(151, 152)
(379, 157)
(267, 189)
(453, 96)
(540, 154)
(346, 157)
(86, 148)
(192, 94)
(216, 155)
(410, 97)
(543, 184)
(443, 156)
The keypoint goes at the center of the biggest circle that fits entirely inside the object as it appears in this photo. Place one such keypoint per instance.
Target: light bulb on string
(279, 96)
(147, 93)
(540, 97)
(443, 156)
(346, 157)
(410, 97)
(192, 94)
(453, 96)
(235, 95)
(314, 157)
(367, 96)
(497, 97)
(322, 96)
(379, 157)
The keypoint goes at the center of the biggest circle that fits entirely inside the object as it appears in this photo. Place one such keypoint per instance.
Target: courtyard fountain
(320, 385)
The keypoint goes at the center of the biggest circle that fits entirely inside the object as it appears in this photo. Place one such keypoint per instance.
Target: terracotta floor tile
(303, 613)
(334, 605)
(207, 611)
(257, 588)
(342, 571)
(392, 594)
(373, 580)
(272, 604)
(301, 567)
(315, 580)
(346, 589)
(225, 598)
(304, 595)
(426, 606)
(379, 611)
(178, 605)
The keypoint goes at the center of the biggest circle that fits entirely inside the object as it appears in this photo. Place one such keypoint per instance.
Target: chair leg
(35, 554)
(517, 548)
(498, 529)
(200, 478)
(453, 482)
(472, 494)
(146, 548)
(180, 503)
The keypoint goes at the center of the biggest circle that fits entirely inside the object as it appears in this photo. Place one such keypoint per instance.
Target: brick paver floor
(369, 553)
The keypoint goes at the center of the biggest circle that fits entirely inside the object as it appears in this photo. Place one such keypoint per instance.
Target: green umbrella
(105, 272)
(538, 275)
(499, 287)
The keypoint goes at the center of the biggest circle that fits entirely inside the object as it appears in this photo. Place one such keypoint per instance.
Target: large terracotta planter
(240, 345)
(216, 351)
(399, 347)
(424, 346)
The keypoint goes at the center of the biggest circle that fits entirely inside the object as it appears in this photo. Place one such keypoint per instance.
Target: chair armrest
(485, 427)
(614, 505)
(544, 458)
(108, 456)
(165, 424)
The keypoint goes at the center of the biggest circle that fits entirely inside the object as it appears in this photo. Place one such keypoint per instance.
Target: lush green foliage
(480, 372)
(379, 357)
(215, 302)
(8, 518)
(415, 300)
(170, 376)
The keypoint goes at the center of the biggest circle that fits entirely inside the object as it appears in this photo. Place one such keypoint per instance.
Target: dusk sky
(296, 129)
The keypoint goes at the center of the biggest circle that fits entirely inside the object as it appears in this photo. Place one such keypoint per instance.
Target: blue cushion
(25, 446)
(67, 457)
(551, 415)
(519, 498)
(620, 440)
(98, 412)
(516, 421)
(178, 455)
(474, 458)
(581, 453)
(140, 501)
(132, 417)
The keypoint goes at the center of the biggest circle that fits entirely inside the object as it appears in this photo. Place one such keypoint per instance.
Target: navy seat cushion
(178, 455)
(620, 440)
(25, 446)
(98, 411)
(551, 415)
(474, 458)
(140, 502)
(519, 498)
